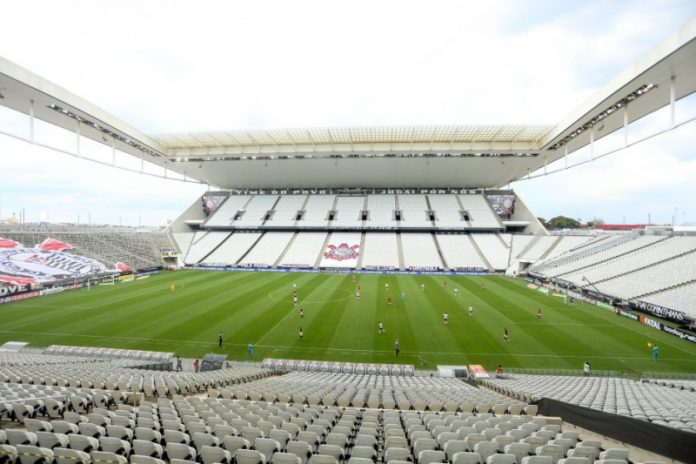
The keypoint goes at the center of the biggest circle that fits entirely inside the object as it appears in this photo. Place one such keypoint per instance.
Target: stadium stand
(316, 212)
(304, 250)
(226, 213)
(447, 211)
(286, 210)
(349, 211)
(495, 247)
(256, 210)
(268, 249)
(652, 279)
(459, 252)
(138, 250)
(381, 251)
(479, 211)
(414, 211)
(539, 248)
(232, 249)
(681, 298)
(183, 241)
(595, 253)
(381, 210)
(645, 401)
(630, 262)
(566, 244)
(299, 417)
(420, 251)
(202, 247)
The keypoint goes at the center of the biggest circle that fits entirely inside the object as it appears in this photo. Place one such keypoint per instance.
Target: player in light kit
(381, 328)
(471, 310)
(506, 335)
(422, 287)
(386, 287)
(294, 300)
(445, 318)
(357, 294)
(456, 292)
(301, 313)
(301, 333)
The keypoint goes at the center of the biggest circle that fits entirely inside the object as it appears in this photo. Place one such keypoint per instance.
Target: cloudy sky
(172, 66)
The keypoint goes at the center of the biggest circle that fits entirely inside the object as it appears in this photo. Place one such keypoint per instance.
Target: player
(422, 287)
(250, 350)
(353, 280)
(397, 347)
(445, 284)
(294, 287)
(301, 333)
(386, 286)
(381, 328)
(172, 288)
(294, 300)
(357, 293)
(301, 313)
(389, 300)
(220, 339)
(655, 352)
(456, 292)
(403, 296)
(445, 318)
(539, 314)
(471, 310)
(506, 335)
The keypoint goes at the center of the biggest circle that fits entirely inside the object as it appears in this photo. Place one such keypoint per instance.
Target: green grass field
(257, 308)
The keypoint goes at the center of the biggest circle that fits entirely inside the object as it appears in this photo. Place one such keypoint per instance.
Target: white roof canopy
(470, 156)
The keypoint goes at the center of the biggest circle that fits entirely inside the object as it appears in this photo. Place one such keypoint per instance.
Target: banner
(211, 203)
(502, 204)
(49, 261)
(659, 311)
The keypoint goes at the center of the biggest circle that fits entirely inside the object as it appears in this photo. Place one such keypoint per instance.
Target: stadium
(355, 294)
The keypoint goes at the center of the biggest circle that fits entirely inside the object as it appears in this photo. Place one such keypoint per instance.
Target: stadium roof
(403, 156)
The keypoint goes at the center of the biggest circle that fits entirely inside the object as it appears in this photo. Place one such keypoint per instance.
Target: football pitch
(257, 307)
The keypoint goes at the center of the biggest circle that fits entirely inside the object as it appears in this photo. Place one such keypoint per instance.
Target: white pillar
(31, 121)
(672, 101)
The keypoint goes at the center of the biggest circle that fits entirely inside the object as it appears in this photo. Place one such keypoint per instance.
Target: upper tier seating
(447, 211)
(285, 211)
(349, 211)
(317, 211)
(381, 211)
(226, 212)
(479, 211)
(414, 211)
(256, 210)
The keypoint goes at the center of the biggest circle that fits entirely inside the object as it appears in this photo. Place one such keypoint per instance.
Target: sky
(167, 66)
